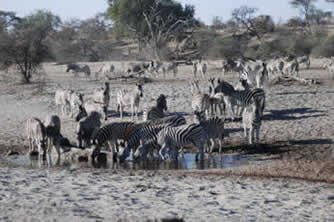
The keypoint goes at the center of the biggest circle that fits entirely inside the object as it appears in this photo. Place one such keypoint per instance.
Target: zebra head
(141, 151)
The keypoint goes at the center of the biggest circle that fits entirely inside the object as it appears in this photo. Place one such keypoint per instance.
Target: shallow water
(187, 162)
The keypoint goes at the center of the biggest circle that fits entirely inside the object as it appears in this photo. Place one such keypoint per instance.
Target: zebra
(243, 98)
(63, 100)
(304, 59)
(76, 100)
(169, 66)
(52, 129)
(251, 119)
(171, 139)
(36, 134)
(156, 111)
(132, 98)
(86, 127)
(105, 70)
(329, 64)
(102, 97)
(216, 99)
(76, 68)
(255, 74)
(291, 67)
(148, 130)
(199, 102)
(213, 128)
(145, 148)
(199, 66)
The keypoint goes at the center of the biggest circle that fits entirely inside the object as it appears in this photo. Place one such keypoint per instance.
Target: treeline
(160, 29)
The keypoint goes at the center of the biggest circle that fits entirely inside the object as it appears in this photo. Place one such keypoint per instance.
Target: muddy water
(187, 162)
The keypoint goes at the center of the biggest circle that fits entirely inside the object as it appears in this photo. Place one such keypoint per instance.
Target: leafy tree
(305, 7)
(151, 22)
(24, 45)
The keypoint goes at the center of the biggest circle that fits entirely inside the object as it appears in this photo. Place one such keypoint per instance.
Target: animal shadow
(288, 114)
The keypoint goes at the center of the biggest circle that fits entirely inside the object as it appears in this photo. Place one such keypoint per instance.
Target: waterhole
(185, 162)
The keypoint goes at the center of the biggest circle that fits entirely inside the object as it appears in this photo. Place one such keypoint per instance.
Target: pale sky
(205, 9)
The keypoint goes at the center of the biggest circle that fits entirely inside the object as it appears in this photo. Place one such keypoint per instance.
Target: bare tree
(162, 30)
(305, 7)
(245, 16)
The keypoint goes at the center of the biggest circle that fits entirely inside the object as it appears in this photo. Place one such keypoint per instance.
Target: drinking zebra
(36, 134)
(213, 128)
(86, 127)
(171, 139)
(157, 111)
(112, 132)
(132, 98)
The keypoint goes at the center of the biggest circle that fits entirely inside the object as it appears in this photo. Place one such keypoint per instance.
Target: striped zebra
(200, 66)
(200, 102)
(329, 64)
(62, 100)
(251, 119)
(217, 100)
(132, 98)
(171, 139)
(149, 130)
(213, 128)
(102, 97)
(36, 134)
(149, 146)
(156, 111)
(245, 97)
(112, 132)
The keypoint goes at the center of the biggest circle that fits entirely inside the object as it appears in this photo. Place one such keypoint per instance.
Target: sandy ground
(297, 135)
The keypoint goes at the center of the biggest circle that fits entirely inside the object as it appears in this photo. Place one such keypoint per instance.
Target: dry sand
(297, 135)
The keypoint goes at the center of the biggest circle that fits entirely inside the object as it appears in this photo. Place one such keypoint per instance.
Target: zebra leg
(257, 131)
(233, 112)
(121, 111)
(162, 151)
(212, 145)
(251, 132)
(220, 145)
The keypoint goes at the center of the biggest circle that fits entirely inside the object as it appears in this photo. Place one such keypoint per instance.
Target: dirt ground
(296, 143)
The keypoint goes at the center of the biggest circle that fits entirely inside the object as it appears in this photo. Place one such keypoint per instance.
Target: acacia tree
(152, 22)
(255, 26)
(24, 45)
(305, 7)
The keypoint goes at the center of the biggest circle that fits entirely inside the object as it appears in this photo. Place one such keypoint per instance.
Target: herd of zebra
(160, 136)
